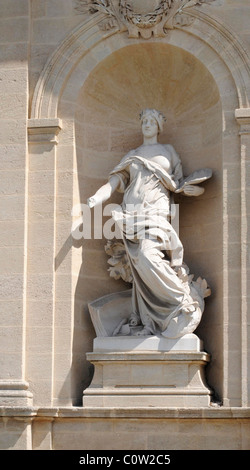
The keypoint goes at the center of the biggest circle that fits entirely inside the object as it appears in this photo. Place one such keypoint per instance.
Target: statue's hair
(157, 115)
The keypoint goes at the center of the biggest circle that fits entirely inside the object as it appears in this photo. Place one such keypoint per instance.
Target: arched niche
(96, 83)
(107, 126)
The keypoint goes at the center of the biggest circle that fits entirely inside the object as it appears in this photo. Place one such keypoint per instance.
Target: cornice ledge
(51, 413)
(242, 116)
(44, 130)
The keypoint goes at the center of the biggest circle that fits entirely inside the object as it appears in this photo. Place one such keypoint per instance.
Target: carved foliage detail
(120, 267)
(92, 6)
(166, 15)
(145, 20)
(102, 6)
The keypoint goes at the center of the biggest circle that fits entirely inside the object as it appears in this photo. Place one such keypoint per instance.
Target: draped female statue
(165, 298)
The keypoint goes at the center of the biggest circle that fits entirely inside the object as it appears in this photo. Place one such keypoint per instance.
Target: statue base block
(169, 373)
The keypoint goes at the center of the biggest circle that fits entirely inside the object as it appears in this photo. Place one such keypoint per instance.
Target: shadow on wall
(106, 128)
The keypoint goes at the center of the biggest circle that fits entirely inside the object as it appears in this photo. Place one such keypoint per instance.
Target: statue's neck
(150, 140)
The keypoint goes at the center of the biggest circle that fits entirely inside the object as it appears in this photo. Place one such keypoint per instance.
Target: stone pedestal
(146, 372)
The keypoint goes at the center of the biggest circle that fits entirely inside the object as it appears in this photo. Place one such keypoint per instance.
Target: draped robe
(153, 247)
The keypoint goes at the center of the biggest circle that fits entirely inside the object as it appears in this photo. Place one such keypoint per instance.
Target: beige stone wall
(134, 434)
(14, 40)
(190, 434)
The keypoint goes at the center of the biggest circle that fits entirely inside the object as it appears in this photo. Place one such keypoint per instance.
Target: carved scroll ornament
(141, 19)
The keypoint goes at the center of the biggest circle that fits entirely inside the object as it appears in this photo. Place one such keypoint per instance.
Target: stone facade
(72, 85)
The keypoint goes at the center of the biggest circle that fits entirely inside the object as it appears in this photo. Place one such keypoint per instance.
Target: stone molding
(88, 35)
(242, 116)
(54, 428)
(15, 392)
(53, 413)
(60, 65)
(233, 52)
(44, 130)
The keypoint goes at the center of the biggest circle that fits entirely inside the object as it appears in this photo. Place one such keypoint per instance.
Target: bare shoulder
(172, 152)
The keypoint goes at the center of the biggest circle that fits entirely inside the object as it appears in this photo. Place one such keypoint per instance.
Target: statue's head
(153, 114)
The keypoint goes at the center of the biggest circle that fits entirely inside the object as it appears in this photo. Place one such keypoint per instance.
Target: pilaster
(243, 118)
(43, 139)
(14, 49)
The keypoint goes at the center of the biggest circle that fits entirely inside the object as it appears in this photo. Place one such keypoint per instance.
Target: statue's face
(149, 126)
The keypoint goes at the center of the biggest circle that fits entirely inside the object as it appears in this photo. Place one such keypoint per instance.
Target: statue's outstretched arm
(105, 192)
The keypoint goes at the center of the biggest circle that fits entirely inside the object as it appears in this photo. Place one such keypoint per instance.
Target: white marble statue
(165, 299)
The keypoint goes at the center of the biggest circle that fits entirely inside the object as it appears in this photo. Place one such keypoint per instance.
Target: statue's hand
(192, 190)
(92, 201)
